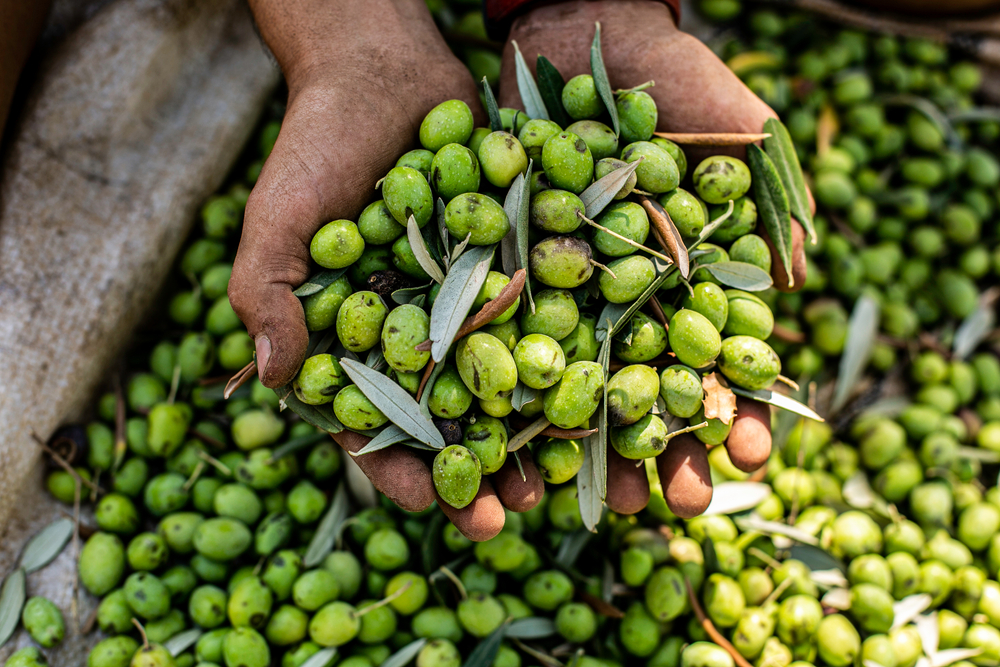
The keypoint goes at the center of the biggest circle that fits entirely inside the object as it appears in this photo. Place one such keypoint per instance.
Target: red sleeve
(499, 10)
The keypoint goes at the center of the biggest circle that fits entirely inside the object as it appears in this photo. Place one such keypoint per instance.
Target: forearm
(20, 24)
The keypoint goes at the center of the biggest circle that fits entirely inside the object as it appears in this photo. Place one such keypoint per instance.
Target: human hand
(694, 92)
(361, 76)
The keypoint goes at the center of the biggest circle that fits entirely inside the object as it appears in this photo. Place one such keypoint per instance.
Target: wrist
(563, 14)
(311, 38)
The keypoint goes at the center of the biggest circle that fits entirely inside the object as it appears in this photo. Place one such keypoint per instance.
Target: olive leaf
(329, 529)
(977, 326)
(523, 394)
(406, 295)
(421, 252)
(571, 546)
(815, 558)
(46, 544)
(778, 401)
(320, 416)
(755, 523)
(322, 658)
(426, 397)
(430, 544)
(458, 291)
(668, 234)
(459, 248)
(319, 282)
(486, 651)
(740, 275)
(781, 150)
(516, 196)
(596, 444)
(610, 315)
(950, 656)
(591, 505)
(929, 110)
(496, 124)
(12, 597)
(929, 632)
(439, 209)
(600, 74)
(531, 97)
(394, 402)
(974, 114)
(772, 205)
(711, 558)
(733, 497)
(297, 444)
(840, 599)
(602, 192)
(376, 359)
(550, 87)
(858, 493)
(182, 641)
(861, 331)
(532, 627)
(514, 246)
(390, 435)
(907, 609)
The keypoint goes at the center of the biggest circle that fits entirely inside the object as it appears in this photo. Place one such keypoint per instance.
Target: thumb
(271, 260)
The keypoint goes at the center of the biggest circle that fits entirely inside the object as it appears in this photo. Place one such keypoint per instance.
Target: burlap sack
(133, 118)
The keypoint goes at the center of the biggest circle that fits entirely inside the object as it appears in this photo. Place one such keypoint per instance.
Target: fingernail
(263, 345)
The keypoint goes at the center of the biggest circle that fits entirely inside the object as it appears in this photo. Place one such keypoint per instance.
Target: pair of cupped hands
(361, 75)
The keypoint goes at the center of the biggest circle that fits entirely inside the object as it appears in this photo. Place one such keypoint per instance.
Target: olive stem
(358, 613)
(523, 436)
(604, 268)
(712, 138)
(789, 382)
(778, 590)
(142, 632)
(62, 463)
(640, 87)
(219, 465)
(754, 551)
(195, 474)
(710, 629)
(427, 376)
(634, 244)
(455, 580)
(175, 382)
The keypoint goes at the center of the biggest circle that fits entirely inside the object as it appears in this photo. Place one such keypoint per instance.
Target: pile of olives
(904, 178)
(872, 543)
(549, 345)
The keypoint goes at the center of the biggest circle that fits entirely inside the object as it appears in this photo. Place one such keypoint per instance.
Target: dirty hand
(361, 76)
(695, 92)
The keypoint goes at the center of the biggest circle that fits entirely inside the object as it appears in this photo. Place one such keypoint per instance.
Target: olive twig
(175, 382)
(358, 613)
(142, 632)
(195, 474)
(219, 465)
(713, 138)
(778, 590)
(634, 244)
(657, 308)
(667, 234)
(710, 630)
(787, 335)
(788, 382)
(604, 268)
(462, 593)
(62, 463)
(757, 553)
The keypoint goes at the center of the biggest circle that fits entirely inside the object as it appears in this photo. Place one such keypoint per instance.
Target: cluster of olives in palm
(905, 186)
(548, 344)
